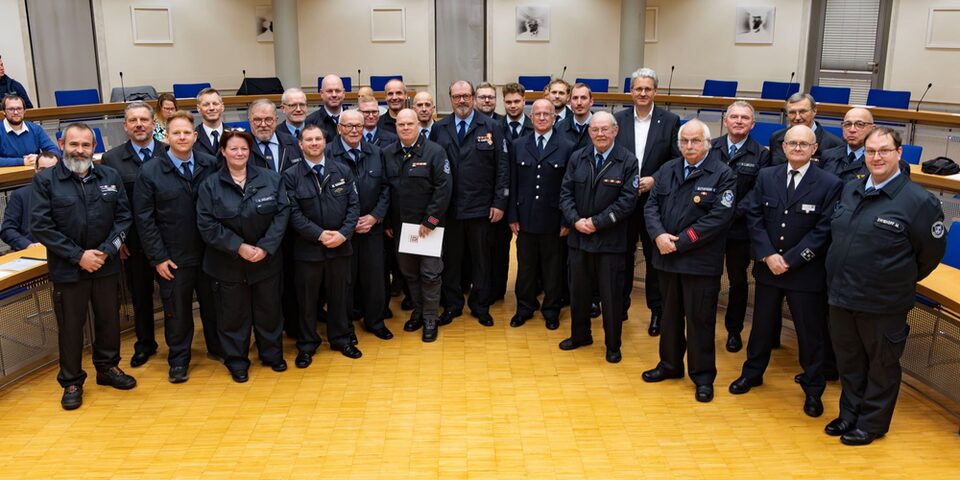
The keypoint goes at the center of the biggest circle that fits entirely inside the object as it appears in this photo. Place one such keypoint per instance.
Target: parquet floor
(481, 402)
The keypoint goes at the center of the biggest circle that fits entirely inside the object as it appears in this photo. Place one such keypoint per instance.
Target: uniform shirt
(293, 129)
(179, 163)
(546, 139)
(209, 133)
(738, 144)
(586, 123)
(274, 146)
(879, 186)
(641, 127)
(139, 150)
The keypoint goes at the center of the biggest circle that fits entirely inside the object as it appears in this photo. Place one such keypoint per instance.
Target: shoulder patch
(636, 181)
(938, 230)
(446, 166)
(727, 199)
(807, 254)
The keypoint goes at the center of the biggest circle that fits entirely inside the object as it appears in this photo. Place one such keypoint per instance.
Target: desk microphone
(358, 78)
(929, 85)
(670, 82)
(564, 72)
(123, 90)
(788, 84)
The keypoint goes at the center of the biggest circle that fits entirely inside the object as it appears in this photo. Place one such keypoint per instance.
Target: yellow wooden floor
(480, 403)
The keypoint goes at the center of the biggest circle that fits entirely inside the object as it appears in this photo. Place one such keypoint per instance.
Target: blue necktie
(462, 131)
(733, 150)
(267, 154)
(370, 137)
(319, 169)
(216, 139)
(356, 155)
(688, 170)
(540, 144)
(187, 170)
(599, 161)
(145, 152)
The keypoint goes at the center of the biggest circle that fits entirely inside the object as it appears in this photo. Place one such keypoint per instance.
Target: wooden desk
(943, 287)
(26, 275)
(15, 176)
(938, 182)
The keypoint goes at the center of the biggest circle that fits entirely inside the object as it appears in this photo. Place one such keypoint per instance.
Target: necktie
(336, 119)
(370, 138)
(733, 150)
(579, 128)
(688, 170)
(462, 131)
(869, 190)
(424, 133)
(145, 152)
(267, 154)
(852, 158)
(599, 162)
(319, 169)
(185, 171)
(514, 129)
(296, 132)
(215, 139)
(407, 151)
(355, 153)
(792, 186)
(540, 145)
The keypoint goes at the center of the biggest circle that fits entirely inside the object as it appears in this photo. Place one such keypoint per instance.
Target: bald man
(425, 107)
(846, 161)
(396, 93)
(328, 115)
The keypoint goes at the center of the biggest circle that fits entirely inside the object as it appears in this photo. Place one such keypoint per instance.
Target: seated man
(21, 141)
(15, 230)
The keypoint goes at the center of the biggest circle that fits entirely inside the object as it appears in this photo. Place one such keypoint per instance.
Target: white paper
(411, 242)
(21, 264)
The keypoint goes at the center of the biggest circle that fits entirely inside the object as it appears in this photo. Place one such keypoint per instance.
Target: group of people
(296, 222)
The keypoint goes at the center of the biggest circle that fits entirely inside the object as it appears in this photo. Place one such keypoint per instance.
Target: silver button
(538, 176)
(786, 212)
(538, 187)
(780, 251)
(536, 197)
(781, 238)
(783, 225)
(538, 166)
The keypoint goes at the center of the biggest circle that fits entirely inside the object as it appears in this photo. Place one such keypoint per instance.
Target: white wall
(15, 45)
(910, 64)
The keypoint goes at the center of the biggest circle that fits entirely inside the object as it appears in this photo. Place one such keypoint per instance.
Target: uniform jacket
(382, 138)
(204, 146)
(535, 181)
(228, 216)
(326, 123)
(420, 184)
(607, 197)
(836, 162)
(798, 230)
(746, 163)
(698, 209)
(480, 165)
(16, 219)
(568, 129)
(165, 210)
(289, 151)
(318, 204)
(369, 175)
(387, 123)
(70, 215)
(124, 160)
(825, 141)
(884, 242)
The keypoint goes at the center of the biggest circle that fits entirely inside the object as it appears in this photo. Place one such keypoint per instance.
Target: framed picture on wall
(755, 24)
(533, 23)
(264, 14)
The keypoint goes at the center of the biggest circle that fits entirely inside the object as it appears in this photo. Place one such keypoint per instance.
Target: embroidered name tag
(266, 199)
(108, 188)
(419, 164)
(705, 189)
(807, 208)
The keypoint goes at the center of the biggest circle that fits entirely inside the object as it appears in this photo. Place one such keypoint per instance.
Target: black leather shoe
(353, 339)
(518, 320)
(303, 360)
(239, 376)
(387, 313)
(734, 342)
(351, 351)
(571, 344)
(406, 304)
(743, 385)
(553, 323)
(704, 393)
(485, 319)
(413, 324)
(178, 374)
(614, 356)
(813, 406)
(115, 378)
(654, 328)
(838, 426)
(658, 375)
(857, 437)
(429, 332)
(280, 366)
(72, 397)
(446, 318)
(383, 333)
(595, 310)
(140, 358)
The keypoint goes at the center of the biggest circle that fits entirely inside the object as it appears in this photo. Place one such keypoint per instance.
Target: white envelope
(411, 242)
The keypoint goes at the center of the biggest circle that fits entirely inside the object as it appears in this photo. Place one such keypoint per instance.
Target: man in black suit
(273, 149)
(486, 103)
(789, 219)
(396, 93)
(16, 216)
(425, 109)
(515, 123)
(575, 127)
(744, 155)
(481, 187)
(371, 118)
(650, 133)
(293, 104)
(210, 129)
(487, 100)
(802, 110)
(127, 159)
(537, 165)
(558, 92)
(331, 106)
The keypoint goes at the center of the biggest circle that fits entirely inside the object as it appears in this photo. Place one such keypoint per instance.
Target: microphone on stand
(788, 85)
(670, 82)
(564, 72)
(929, 85)
(123, 90)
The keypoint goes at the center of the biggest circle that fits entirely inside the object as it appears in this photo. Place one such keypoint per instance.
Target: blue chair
(626, 84)
(830, 94)
(834, 130)
(778, 90)
(911, 154)
(245, 125)
(888, 98)
(534, 83)
(719, 88)
(66, 98)
(596, 84)
(188, 90)
(763, 130)
(379, 82)
(952, 255)
(100, 148)
(347, 83)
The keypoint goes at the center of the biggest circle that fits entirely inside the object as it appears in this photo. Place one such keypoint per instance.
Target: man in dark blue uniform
(538, 163)
(598, 194)
(515, 124)
(888, 234)
(575, 126)
(847, 161)
(273, 149)
(331, 106)
(372, 134)
(688, 214)
(81, 215)
(801, 109)
(789, 218)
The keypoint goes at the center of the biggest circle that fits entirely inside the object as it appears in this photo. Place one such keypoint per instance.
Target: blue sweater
(13, 147)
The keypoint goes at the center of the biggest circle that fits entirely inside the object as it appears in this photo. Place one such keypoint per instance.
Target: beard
(78, 164)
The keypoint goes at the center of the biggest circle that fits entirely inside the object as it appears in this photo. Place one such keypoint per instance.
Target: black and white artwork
(755, 24)
(533, 23)
(264, 16)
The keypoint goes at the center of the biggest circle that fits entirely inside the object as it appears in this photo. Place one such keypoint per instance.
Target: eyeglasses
(800, 145)
(296, 106)
(370, 112)
(883, 152)
(13, 109)
(351, 126)
(262, 121)
(802, 111)
(691, 141)
(603, 130)
(859, 125)
(457, 98)
(486, 97)
(644, 90)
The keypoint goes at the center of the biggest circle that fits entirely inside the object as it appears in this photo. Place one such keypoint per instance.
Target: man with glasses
(210, 107)
(293, 104)
(501, 236)
(21, 141)
(688, 214)
(802, 110)
(847, 161)
(272, 149)
(888, 234)
(481, 187)
(16, 216)
(788, 214)
(367, 106)
(328, 115)
(396, 93)
(487, 100)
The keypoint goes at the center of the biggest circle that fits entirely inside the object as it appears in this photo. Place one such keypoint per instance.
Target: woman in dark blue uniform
(242, 214)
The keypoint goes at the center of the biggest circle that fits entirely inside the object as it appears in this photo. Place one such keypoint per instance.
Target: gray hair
(741, 104)
(703, 126)
(137, 104)
(261, 102)
(799, 97)
(644, 73)
(604, 114)
(290, 91)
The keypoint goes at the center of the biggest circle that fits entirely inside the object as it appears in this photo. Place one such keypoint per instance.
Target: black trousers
(636, 229)
(467, 241)
(606, 272)
(501, 236)
(737, 261)
(424, 278)
(331, 280)
(809, 310)
(392, 270)
(689, 301)
(367, 298)
(539, 263)
(288, 297)
(868, 347)
(177, 297)
(242, 306)
(70, 302)
(139, 278)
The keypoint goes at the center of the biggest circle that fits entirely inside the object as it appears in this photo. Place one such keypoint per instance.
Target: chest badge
(696, 199)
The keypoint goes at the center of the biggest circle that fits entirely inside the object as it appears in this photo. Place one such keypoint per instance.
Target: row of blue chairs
(763, 130)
